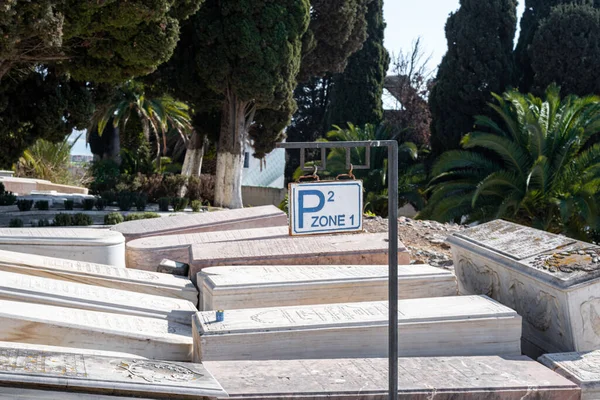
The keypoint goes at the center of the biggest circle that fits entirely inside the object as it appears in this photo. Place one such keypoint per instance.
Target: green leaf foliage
(479, 61)
(539, 167)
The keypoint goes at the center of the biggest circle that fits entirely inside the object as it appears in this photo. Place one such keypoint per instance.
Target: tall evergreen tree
(566, 50)
(356, 94)
(535, 12)
(479, 61)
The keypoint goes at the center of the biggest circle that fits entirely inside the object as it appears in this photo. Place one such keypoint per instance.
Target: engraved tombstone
(581, 368)
(69, 327)
(36, 290)
(361, 249)
(440, 326)
(113, 375)
(242, 218)
(146, 253)
(238, 287)
(99, 275)
(552, 281)
(82, 244)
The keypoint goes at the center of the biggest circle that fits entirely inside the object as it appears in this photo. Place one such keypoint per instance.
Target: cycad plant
(49, 161)
(537, 166)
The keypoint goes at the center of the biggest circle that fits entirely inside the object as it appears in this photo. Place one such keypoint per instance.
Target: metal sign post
(392, 147)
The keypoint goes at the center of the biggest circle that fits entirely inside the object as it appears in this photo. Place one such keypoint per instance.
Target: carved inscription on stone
(569, 261)
(537, 307)
(97, 269)
(512, 240)
(159, 371)
(38, 362)
(478, 279)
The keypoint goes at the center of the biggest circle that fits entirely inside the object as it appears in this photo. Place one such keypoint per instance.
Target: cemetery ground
(248, 312)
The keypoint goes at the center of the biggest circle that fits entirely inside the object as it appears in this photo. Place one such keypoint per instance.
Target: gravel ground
(424, 239)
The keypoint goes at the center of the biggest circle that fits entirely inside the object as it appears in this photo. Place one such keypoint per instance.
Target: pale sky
(408, 19)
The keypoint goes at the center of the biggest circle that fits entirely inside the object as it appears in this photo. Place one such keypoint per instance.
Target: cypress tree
(356, 94)
(479, 61)
(566, 50)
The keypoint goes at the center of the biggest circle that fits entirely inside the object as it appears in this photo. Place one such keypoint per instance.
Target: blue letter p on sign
(303, 210)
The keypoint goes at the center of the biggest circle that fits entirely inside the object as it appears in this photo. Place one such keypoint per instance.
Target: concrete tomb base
(30, 368)
(90, 245)
(68, 327)
(99, 275)
(580, 368)
(441, 326)
(147, 252)
(551, 280)
(437, 378)
(36, 290)
(361, 249)
(230, 288)
(243, 218)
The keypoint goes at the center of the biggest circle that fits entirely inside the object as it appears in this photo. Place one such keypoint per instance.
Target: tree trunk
(194, 154)
(230, 153)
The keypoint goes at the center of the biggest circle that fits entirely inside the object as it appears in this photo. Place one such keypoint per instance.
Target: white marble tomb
(242, 218)
(441, 326)
(70, 327)
(115, 375)
(99, 275)
(36, 290)
(82, 244)
(580, 368)
(551, 280)
(360, 249)
(147, 253)
(238, 287)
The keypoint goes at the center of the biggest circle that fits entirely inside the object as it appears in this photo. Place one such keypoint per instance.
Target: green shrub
(42, 205)
(43, 223)
(15, 223)
(193, 188)
(69, 204)
(145, 215)
(62, 219)
(173, 184)
(24, 205)
(140, 202)
(6, 198)
(196, 204)
(88, 204)
(113, 218)
(2, 189)
(126, 200)
(81, 219)
(179, 203)
(109, 196)
(106, 176)
(100, 203)
(163, 203)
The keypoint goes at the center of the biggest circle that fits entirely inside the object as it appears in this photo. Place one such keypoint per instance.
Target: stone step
(439, 378)
(238, 287)
(113, 375)
(357, 249)
(36, 290)
(99, 275)
(147, 253)
(69, 327)
(582, 369)
(255, 217)
(89, 245)
(441, 326)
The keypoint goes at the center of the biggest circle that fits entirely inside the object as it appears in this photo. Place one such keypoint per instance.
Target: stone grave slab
(58, 349)
(438, 378)
(70, 327)
(581, 368)
(36, 290)
(146, 253)
(30, 368)
(440, 326)
(254, 217)
(99, 275)
(360, 249)
(238, 287)
(82, 244)
(551, 280)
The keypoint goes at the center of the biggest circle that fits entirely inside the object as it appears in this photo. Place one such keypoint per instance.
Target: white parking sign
(325, 207)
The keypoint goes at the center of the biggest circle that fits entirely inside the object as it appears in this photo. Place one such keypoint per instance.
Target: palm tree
(157, 115)
(49, 161)
(539, 166)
